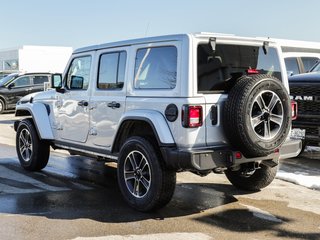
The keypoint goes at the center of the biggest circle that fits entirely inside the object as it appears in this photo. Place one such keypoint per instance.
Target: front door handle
(83, 103)
(114, 105)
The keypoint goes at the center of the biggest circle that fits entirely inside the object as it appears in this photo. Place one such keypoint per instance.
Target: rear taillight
(294, 110)
(191, 116)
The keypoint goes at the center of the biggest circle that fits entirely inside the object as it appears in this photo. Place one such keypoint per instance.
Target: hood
(37, 96)
(311, 77)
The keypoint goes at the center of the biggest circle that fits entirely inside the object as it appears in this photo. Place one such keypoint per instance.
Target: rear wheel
(144, 181)
(247, 178)
(33, 153)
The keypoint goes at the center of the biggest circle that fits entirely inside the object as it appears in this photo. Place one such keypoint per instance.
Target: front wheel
(252, 180)
(2, 106)
(144, 181)
(33, 153)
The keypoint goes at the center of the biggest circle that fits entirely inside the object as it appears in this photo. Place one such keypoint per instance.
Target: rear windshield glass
(218, 70)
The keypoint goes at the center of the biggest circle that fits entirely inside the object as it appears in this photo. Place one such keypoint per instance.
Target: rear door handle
(114, 105)
(83, 103)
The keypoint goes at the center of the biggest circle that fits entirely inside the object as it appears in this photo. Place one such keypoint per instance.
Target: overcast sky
(78, 23)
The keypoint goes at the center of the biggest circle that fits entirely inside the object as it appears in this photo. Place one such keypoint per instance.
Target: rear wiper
(212, 42)
(265, 47)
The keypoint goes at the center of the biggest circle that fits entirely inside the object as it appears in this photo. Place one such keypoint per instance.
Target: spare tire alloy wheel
(267, 115)
(257, 116)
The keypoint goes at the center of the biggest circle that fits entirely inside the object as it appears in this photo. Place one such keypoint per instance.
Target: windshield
(218, 70)
(316, 68)
(6, 79)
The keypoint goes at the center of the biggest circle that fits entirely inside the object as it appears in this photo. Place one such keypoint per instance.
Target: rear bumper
(312, 128)
(210, 158)
(290, 149)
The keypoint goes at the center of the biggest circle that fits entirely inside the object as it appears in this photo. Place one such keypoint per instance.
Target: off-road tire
(261, 178)
(238, 117)
(33, 153)
(149, 166)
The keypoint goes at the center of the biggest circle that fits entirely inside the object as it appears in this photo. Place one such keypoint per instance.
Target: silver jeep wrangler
(156, 106)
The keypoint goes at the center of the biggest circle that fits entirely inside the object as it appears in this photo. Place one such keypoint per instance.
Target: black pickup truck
(305, 90)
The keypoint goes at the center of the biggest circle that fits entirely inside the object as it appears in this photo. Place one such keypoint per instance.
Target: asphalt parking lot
(78, 198)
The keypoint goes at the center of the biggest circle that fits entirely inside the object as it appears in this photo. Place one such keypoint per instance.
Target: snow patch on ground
(300, 178)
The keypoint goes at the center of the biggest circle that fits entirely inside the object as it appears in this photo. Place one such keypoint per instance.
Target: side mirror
(11, 85)
(56, 80)
(76, 82)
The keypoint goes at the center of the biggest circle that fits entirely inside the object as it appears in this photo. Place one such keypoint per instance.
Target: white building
(34, 59)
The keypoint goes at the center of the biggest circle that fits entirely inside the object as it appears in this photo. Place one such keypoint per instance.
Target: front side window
(78, 75)
(112, 70)
(23, 81)
(156, 68)
(218, 70)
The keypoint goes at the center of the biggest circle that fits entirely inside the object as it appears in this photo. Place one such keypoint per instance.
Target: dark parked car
(305, 90)
(14, 86)
(297, 64)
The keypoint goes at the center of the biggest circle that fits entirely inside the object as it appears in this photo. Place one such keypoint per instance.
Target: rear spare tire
(257, 115)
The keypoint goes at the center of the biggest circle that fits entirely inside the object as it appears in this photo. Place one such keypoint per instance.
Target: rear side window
(218, 71)
(40, 79)
(112, 70)
(156, 68)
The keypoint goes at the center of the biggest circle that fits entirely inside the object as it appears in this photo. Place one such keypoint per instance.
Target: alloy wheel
(137, 174)
(25, 145)
(267, 115)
